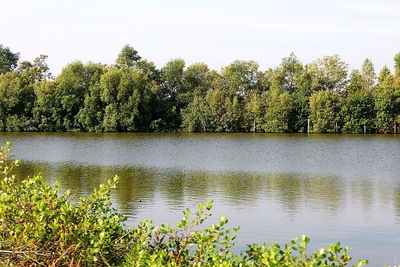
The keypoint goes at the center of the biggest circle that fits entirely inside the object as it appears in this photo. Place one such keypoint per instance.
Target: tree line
(133, 95)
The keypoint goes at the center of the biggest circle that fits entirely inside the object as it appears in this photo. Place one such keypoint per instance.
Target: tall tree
(397, 64)
(216, 101)
(356, 82)
(8, 59)
(46, 112)
(35, 71)
(299, 113)
(385, 78)
(387, 106)
(232, 119)
(328, 73)
(277, 113)
(90, 115)
(71, 87)
(290, 71)
(358, 111)
(195, 118)
(198, 81)
(254, 110)
(171, 88)
(324, 111)
(198, 78)
(127, 57)
(368, 74)
(11, 90)
(240, 77)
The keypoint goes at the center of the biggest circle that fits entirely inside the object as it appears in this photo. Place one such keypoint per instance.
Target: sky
(215, 32)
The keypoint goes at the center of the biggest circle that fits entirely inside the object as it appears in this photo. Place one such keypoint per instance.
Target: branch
(24, 252)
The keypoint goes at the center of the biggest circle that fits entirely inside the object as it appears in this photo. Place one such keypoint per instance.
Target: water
(275, 187)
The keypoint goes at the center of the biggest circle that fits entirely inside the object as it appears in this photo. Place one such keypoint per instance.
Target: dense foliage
(133, 95)
(41, 226)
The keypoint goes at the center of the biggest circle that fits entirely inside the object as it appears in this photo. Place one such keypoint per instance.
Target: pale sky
(215, 32)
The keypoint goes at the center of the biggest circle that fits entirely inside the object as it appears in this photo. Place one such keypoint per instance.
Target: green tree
(254, 111)
(324, 111)
(17, 100)
(110, 121)
(240, 77)
(60, 103)
(368, 74)
(216, 101)
(289, 74)
(356, 82)
(127, 57)
(397, 64)
(128, 96)
(172, 79)
(148, 69)
(46, 112)
(8, 59)
(111, 83)
(195, 118)
(135, 101)
(387, 106)
(198, 81)
(358, 111)
(300, 112)
(90, 115)
(232, 119)
(277, 113)
(328, 73)
(71, 87)
(36, 71)
(385, 77)
(171, 88)
(198, 78)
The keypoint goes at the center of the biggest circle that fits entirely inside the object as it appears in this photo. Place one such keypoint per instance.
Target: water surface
(275, 186)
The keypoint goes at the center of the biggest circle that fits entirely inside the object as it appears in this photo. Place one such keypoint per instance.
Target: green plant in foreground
(185, 246)
(40, 226)
(295, 254)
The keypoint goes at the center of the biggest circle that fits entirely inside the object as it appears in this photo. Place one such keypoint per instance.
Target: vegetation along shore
(132, 95)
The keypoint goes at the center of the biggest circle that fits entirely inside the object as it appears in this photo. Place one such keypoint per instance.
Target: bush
(185, 246)
(39, 225)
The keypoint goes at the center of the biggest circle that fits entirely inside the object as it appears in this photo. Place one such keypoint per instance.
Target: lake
(274, 186)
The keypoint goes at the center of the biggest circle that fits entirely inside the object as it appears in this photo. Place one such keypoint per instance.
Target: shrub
(185, 246)
(40, 226)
